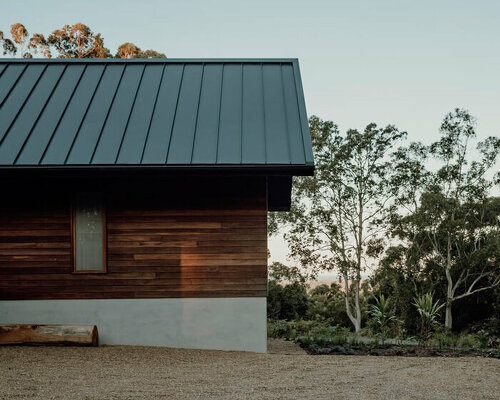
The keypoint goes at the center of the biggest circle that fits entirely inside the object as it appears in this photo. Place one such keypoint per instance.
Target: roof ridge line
(145, 60)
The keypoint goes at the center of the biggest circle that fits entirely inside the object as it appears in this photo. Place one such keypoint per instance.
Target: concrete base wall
(205, 323)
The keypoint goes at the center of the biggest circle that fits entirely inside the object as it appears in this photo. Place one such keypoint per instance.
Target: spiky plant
(382, 315)
(429, 314)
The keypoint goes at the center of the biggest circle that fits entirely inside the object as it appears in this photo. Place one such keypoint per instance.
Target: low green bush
(468, 341)
(483, 337)
(300, 328)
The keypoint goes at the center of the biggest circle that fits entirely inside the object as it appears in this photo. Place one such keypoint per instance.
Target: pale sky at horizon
(402, 62)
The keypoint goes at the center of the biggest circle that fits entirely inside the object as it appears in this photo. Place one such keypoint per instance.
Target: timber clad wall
(190, 238)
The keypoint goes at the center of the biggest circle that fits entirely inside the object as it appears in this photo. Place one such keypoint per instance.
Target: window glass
(88, 231)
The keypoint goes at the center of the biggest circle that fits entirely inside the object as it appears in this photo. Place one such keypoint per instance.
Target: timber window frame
(74, 242)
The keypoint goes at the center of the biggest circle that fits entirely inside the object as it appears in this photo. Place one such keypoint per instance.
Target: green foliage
(468, 341)
(448, 224)
(429, 313)
(336, 215)
(287, 296)
(326, 303)
(310, 332)
(382, 316)
(286, 301)
(425, 230)
(483, 337)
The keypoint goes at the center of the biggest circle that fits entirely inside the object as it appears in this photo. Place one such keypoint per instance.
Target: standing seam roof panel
(229, 143)
(48, 121)
(140, 117)
(116, 123)
(277, 142)
(181, 142)
(253, 138)
(160, 130)
(207, 125)
(153, 112)
(15, 138)
(297, 155)
(17, 97)
(84, 144)
(60, 143)
(9, 79)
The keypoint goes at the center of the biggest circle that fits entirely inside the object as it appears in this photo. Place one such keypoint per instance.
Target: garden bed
(397, 350)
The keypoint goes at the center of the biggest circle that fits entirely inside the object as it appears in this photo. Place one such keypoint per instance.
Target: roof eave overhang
(171, 169)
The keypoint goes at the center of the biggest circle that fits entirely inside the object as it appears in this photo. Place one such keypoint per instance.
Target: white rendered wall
(204, 323)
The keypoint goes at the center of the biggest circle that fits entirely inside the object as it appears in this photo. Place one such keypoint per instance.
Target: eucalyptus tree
(22, 44)
(336, 218)
(453, 222)
(130, 50)
(70, 41)
(78, 41)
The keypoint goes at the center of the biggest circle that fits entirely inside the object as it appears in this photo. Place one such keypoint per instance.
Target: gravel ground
(122, 372)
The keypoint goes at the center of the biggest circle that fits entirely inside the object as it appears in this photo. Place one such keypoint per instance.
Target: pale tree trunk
(357, 322)
(448, 321)
(355, 317)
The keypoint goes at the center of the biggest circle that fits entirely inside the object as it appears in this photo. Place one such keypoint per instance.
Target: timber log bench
(62, 335)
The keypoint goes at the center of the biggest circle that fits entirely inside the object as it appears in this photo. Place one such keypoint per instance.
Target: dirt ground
(122, 372)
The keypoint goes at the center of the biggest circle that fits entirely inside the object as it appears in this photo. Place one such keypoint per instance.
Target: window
(89, 233)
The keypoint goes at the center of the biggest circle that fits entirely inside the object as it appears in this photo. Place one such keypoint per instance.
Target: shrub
(300, 328)
(286, 301)
(326, 303)
(468, 341)
(382, 316)
(429, 312)
(483, 337)
(277, 328)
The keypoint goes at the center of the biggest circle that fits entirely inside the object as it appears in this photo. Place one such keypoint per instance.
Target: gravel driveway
(120, 372)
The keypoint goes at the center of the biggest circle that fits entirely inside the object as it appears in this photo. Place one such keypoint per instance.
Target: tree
(130, 50)
(326, 303)
(78, 41)
(455, 225)
(287, 292)
(22, 44)
(127, 50)
(150, 54)
(38, 44)
(71, 41)
(335, 217)
(20, 36)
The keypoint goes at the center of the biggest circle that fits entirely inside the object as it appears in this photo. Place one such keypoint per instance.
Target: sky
(401, 62)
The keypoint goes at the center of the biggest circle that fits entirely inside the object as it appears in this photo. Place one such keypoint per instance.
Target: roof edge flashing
(147, 60)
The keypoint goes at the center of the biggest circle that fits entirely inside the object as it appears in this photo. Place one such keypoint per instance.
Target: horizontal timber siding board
(194, 244)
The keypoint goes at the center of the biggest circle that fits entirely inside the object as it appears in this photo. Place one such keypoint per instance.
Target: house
(134, 194)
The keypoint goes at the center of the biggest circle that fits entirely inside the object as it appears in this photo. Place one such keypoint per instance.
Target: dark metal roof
(159, 113)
